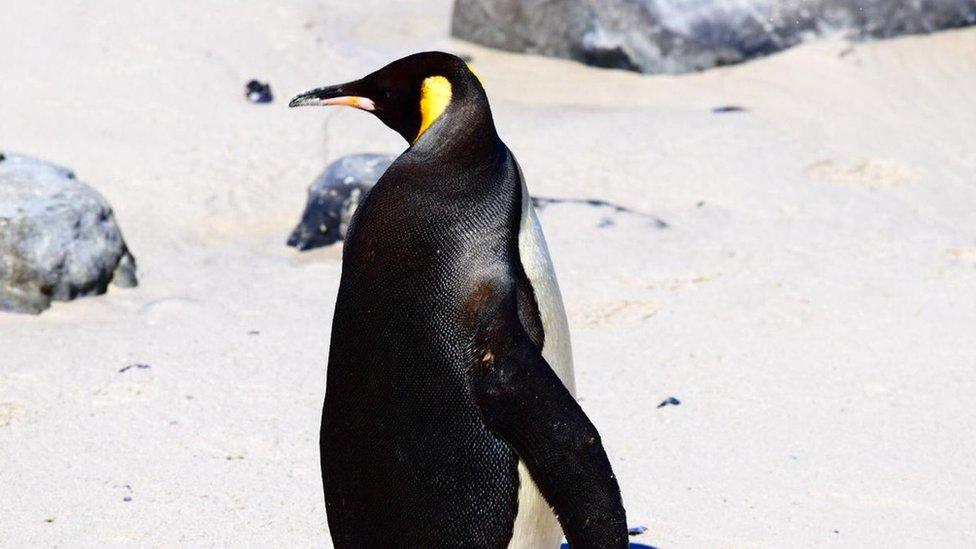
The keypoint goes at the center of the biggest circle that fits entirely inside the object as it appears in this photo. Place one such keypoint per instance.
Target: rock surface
(334, 196)
(674, 36)
(58, 237)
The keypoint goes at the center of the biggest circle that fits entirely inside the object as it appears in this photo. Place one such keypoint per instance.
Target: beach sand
(811, 301)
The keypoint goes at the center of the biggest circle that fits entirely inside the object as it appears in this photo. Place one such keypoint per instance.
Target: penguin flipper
(524, 403)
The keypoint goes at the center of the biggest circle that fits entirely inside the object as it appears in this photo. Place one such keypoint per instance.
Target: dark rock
(258, 92)
(334, 196)
(131, 366)
(636, 530)
(670, 401)
(337, 192)
(58, 237)
(673, 36)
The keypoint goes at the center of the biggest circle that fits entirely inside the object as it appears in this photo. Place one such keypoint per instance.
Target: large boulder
(58, 237)
(674, 36)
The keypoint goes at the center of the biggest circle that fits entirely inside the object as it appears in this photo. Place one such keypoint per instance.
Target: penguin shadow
(541, 202)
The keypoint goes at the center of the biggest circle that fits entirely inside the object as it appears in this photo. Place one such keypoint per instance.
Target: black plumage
(436, 384)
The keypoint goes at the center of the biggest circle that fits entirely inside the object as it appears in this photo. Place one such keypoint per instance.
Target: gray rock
(673, 36)
(58, 237)
(334, 196)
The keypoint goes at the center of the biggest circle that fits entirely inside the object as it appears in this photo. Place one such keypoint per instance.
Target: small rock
(58, 237)
(636, 530)
(130, 366)
(259, 92)
(670, 401)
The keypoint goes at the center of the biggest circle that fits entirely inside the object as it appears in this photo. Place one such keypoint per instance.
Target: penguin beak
(332, 95)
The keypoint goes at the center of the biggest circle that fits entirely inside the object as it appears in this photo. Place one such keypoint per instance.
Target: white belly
(537, 264)
(536, 526)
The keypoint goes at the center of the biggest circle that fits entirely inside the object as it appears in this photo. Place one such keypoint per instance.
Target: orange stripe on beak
(363, 103)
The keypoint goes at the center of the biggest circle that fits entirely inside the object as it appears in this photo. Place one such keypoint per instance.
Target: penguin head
(409, 94)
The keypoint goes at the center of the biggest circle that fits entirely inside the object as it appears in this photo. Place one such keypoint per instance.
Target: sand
(811, 303)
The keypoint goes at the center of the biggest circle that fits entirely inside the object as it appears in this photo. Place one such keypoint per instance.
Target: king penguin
(449, 417)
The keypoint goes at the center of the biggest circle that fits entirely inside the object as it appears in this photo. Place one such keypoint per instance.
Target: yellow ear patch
(435, 95)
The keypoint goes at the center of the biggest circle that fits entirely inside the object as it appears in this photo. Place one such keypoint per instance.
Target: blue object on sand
(670, 401)
(258, 92)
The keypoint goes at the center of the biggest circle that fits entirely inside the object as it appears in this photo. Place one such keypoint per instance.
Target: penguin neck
(463, 134)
